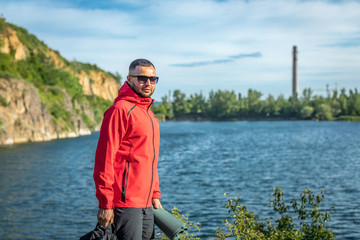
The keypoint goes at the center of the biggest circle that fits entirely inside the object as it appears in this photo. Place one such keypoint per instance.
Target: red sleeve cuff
(156, 195)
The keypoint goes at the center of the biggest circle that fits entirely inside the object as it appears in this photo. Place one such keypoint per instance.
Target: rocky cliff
(42, 95)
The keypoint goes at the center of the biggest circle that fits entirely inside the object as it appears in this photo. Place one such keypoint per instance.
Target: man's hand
(105, 216)
(156, 203)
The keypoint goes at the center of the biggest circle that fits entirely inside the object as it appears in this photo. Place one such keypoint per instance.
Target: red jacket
(126, 158)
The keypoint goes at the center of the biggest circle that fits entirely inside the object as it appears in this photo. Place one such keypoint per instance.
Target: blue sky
(203, 45)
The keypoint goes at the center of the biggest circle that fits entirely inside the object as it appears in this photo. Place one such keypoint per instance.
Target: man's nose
(148, 82)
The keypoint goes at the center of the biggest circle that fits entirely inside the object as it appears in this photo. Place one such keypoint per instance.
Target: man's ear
(128, 78)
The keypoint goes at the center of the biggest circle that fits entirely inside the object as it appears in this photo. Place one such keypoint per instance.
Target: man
(125, 172)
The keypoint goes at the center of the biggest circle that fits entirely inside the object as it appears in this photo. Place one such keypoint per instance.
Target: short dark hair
(140, 62)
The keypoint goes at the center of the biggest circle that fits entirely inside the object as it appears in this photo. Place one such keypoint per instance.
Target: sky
(203, 45)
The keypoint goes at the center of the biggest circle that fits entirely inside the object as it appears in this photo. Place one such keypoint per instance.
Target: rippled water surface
(47, 191)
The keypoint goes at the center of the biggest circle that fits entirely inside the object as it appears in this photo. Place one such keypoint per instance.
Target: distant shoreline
(188, 120)
(254, 119)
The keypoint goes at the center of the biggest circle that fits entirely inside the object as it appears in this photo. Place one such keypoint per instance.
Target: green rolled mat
(169, 224)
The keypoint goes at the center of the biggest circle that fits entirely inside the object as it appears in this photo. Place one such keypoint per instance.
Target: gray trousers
(134, 223)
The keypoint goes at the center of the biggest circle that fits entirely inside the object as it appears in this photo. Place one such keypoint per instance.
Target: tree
(307, 92)
(180, 104)
(254, 102)
(223, 104)
(271, 108)
(160, 111)
(323, 112)
(169, 113)
(2, 25)
(243, 106)
(118, 76)
(306, 112)
(354, 103)
(197, 104)
(343, 102)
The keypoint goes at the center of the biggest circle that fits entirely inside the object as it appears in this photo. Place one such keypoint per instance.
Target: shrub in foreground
(243, 224)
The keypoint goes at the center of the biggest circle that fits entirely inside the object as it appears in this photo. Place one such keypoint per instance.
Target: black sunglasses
(143, 79)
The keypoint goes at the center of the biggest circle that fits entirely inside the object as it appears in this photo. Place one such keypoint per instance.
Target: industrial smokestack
(295, 83)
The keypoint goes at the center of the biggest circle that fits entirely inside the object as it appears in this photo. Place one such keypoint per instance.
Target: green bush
(54, 99)
(7, 66)
(2, 122)
(40, 71)
(323, 112)
(3, 101)
(306, 112)
(27, 39)
(89, 123)
(99, 106)
(310, 224)
(61, 117)
(2, 25)
(349, 118)
(87, 67)
(243, 224)
(189, 225)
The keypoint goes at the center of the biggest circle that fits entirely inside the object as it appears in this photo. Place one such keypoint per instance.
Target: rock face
(97, 83)
(24, 117)
(12, 43)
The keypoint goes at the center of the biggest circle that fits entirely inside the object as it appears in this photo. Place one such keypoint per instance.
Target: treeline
(227, 105)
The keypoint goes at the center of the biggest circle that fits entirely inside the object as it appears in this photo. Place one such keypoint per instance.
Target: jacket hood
(128, 94)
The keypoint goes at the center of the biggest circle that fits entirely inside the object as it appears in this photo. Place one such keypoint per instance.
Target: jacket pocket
(125, 181)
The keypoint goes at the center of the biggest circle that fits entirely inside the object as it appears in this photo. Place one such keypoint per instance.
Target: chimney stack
(295, 83)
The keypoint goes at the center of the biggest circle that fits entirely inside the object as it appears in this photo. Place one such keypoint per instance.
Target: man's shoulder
(122, 105)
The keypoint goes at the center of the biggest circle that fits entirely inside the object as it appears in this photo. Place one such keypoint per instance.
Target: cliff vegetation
(43, 96)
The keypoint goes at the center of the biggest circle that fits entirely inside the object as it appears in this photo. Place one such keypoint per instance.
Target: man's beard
(141, 94)
(144, 95)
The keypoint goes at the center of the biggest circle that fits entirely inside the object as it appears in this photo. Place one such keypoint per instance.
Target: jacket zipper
(125, 181)
(153, 143)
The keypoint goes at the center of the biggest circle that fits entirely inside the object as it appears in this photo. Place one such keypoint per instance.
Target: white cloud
(171, 32)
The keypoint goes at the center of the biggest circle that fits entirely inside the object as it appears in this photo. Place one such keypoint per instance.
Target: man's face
(143, 89)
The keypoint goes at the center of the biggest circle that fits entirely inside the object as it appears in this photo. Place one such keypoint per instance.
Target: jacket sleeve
(111, 134)
(156, 192)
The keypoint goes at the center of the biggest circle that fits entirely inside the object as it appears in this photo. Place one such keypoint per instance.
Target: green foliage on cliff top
(40, 71)
(39, 50)
(87, 67)
(2, 25)
(27, 39)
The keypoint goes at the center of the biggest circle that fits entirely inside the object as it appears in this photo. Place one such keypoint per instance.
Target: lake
(47, 190)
